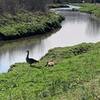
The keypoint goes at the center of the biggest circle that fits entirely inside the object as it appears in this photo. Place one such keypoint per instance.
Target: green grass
(75, 76)
(91, 8)
(28, 23)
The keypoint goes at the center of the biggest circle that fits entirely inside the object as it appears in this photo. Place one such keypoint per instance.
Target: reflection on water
(15, 51)
(93, 28)
(77, 28)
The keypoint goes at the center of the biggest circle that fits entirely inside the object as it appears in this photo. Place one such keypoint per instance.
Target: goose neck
(27, 54)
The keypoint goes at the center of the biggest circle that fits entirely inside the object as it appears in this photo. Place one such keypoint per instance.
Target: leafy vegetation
(75, 76)
(26, 23)
(21, 18)
(91, 8)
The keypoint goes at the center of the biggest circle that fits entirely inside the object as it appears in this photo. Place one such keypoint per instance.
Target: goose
(50, 63)
(30, 60)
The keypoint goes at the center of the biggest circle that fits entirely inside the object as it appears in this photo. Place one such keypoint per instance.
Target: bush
(26, 23)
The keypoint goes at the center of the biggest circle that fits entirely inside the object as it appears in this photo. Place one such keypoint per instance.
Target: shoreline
(74, 67)
(91, 9)
(40, 24)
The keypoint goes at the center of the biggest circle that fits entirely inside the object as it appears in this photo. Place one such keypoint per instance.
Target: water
(69, 8)
(77, 28)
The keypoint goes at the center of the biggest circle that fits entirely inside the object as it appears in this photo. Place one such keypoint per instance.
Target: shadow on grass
(34, 66)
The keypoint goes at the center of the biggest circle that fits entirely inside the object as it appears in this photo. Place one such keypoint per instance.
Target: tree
(14, 5)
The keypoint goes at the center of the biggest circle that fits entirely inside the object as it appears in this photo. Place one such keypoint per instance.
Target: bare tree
(32, 5)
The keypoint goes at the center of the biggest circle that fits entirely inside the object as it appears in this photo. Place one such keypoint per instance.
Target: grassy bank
(75, 76)
(91, 9)
(27, 23)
